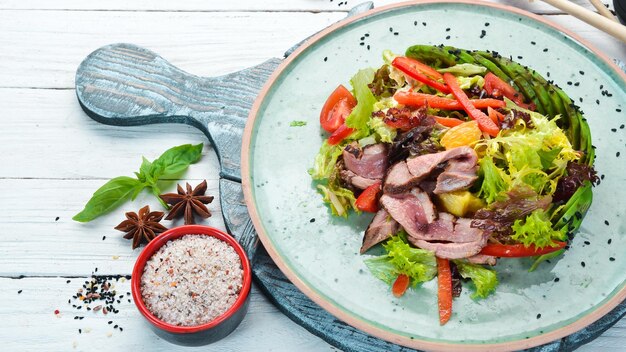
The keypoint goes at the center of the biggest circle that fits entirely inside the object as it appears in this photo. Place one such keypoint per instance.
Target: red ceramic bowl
(199, 334)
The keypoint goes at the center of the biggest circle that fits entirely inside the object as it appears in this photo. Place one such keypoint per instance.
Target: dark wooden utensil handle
(125, 85)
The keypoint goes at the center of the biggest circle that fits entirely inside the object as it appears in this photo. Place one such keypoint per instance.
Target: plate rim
(349, 319)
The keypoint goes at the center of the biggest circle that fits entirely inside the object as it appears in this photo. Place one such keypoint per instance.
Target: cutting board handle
(127, 85)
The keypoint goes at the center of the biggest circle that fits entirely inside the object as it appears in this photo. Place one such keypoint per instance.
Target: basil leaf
(108, 197)
(173, 161)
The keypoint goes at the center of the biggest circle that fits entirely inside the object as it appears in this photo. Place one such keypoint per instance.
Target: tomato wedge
(340, 134)
(448, 121)
(420, 72)
(484, 122)
(494, 83)
(400, 285)
(433, 101)
(519, 250)
(336, 108)
(444, 282)
(368, 199)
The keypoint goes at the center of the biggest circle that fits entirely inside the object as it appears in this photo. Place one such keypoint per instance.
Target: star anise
(143, 226)
(188, 203)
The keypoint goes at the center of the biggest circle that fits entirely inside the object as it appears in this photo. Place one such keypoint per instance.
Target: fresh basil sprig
(116, 191)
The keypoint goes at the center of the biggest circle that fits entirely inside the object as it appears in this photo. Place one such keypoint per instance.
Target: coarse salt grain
(192, 280)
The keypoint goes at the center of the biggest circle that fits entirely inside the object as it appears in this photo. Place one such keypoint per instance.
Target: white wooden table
(52, 156)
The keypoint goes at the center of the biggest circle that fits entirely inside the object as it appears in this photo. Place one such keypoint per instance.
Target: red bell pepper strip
(495, 116)
(340, 134)
(448, 121)
(484, 122)
(444, 280)
(519, 250)
(400, 285)
(415, 70)
(368, 199)
(433, 101)
(493, 82)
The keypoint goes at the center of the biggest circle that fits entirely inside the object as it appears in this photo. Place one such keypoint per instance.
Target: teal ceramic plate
(319, 253)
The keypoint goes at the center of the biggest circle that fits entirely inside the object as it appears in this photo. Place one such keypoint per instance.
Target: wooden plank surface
(53, 156)
(244, 5)
(202, 43)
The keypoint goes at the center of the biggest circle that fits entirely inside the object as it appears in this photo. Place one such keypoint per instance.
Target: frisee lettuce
(524, 156)
(484, 280)
(537, 230)
(418, 264)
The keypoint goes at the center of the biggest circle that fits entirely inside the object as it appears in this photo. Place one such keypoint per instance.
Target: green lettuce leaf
(400, 258)
(340, 199)
(386, 133)
(469, 82)
(537, 230)
(464, 69)
(325, 161)
(484, 280)
(360, 115)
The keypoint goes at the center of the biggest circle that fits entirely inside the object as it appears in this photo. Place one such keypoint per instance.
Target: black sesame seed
(576, 84)
(56, 219)
(483, 33)
(19, 291)
(390, 29)
(395, 33)
(80, 331)
(569, 83)
(580, 99)
(613, 129)
(533, 43)
(598, 101)
(361, 44)
(617, 154)
(545, 50)
(448, 29)
(366, 34)
(312, 220)
(609, 241)
(538, 315)
(68, 281)
(581, 72)
(582, 264)
(618, 110)
(519, 57)
(110, 322)
(424, 23)
(612, 259)
(447, 37)
(556, 279)
(587, 242)
(621, 127)
(415, 23)
(115, 327)
(486, 24)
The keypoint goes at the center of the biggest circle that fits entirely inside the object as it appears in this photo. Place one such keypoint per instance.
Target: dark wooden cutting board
(126, 85)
